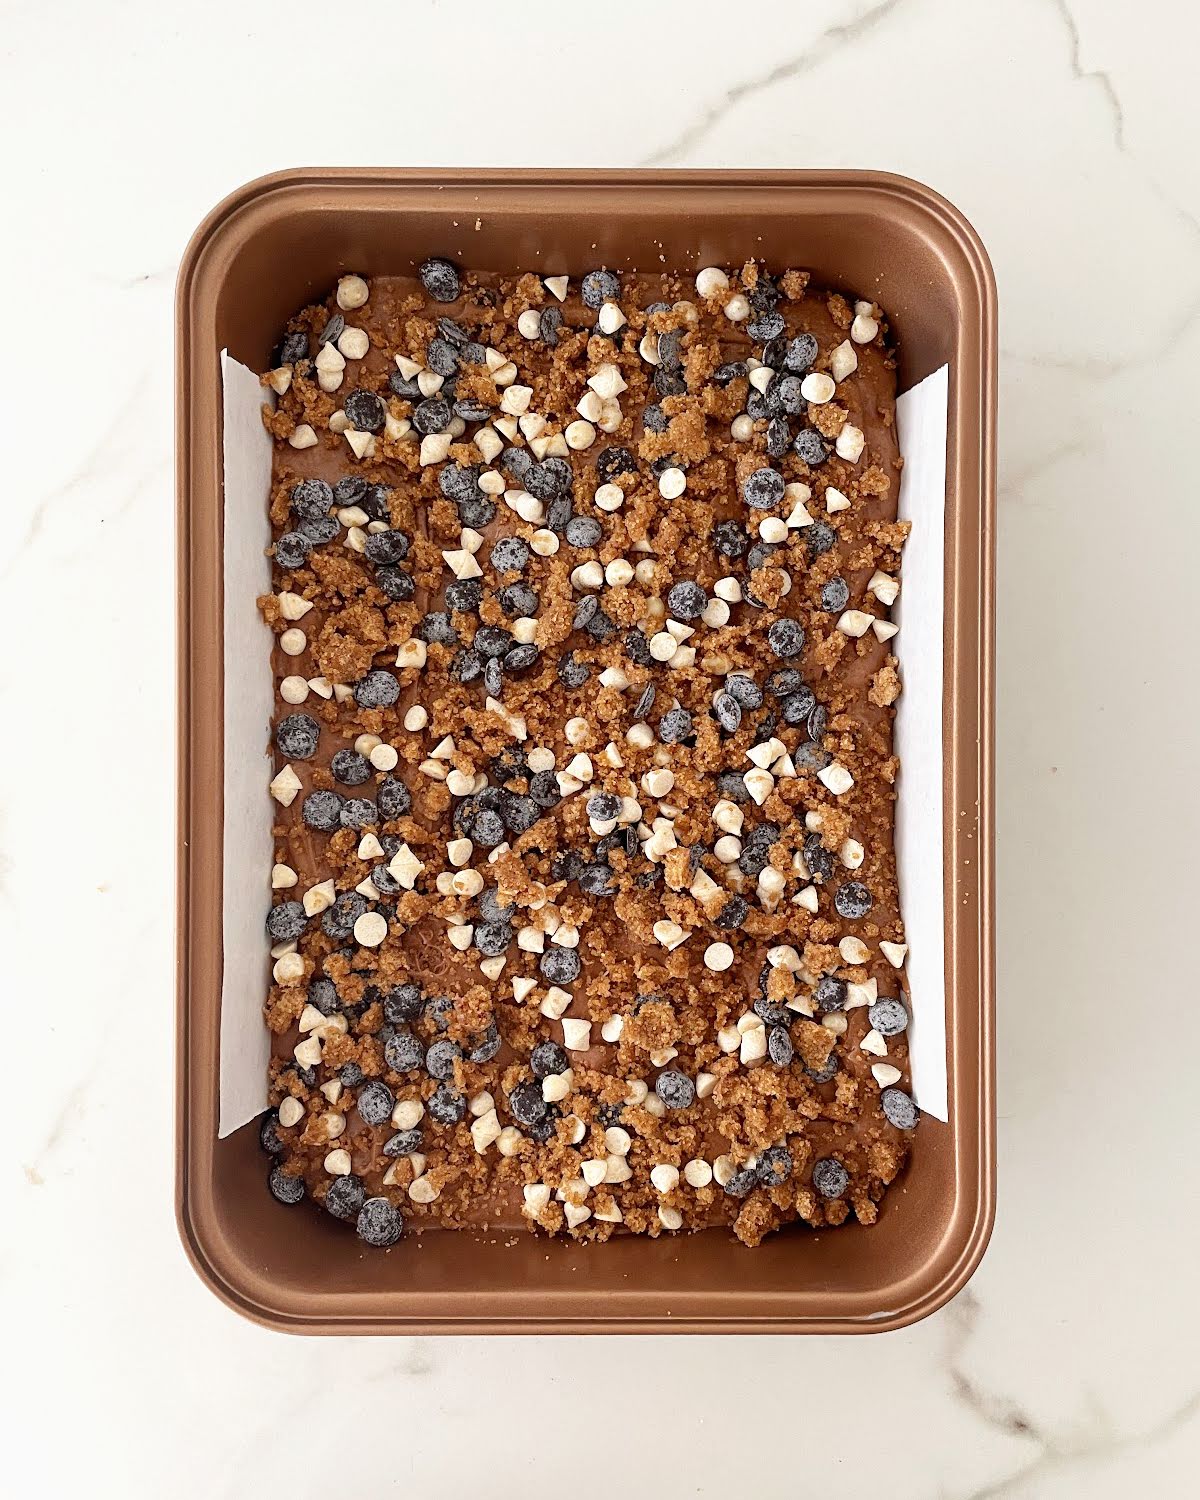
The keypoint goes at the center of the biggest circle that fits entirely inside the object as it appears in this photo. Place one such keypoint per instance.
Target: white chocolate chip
(423, 1190)
(407, 1114)
(516, 399)
(283, 877)
(485, 1130)
(384, 757)
(607, 381)
(580, 767)
(874, 1043)
(405, 867)
(354, 343)
(728, 816)
(435, 446)
(753, 1046)
(843, 361)
(413, 653)
(319, 898)
(330, 361)
(807, 899)
(280, 380)
(352, 292)
(895, 953)
(462, 564)
(718, 957)
(863, 329)
(293, 690)
(759, 783)
(556, 1003)
(658, 782)
(303, 437)
(817, 388)
(858, 995)
(529, 323)
(370, 929)
(697, 1173)
(835, 501)
(292, 606)
(762, 377)
(836, 777)
(362, 444)
(291, 1112)
(665, 1177)
(711, 282)
(669, 934)
(850, 442)
(556, 1087)
(724, 1169)
(285, 786)
(853, 950)
(338, 1163)
(663, 645)
(536, 1196)
(293, 642)
(728, 849)
(884, 587)
(854, 622)
(737, 309)
(580, 435)
(610, 318)
(884, 1074)
(767, 753)
(308, 1052)
(671, 483)
(577, 1034)
(851, 854)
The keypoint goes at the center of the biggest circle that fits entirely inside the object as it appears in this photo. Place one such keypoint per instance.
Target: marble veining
(1064, 129)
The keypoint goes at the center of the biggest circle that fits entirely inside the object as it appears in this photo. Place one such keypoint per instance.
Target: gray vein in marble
(1093, 75)
(109, 451)
(1054, 1452)
(35, 1171)
(822, 47)
(414, 1360)
(147, 278)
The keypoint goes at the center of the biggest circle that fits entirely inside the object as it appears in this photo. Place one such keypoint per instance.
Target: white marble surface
(1065, 130)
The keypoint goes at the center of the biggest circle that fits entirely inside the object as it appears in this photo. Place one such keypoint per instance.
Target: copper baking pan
(280, 242)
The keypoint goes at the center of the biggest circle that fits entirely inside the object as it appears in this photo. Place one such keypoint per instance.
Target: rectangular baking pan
(276, 245)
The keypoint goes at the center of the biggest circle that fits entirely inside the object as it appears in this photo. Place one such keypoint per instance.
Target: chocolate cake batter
(585, 914)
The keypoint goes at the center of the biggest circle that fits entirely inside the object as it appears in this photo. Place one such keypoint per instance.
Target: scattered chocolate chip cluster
(585, 909)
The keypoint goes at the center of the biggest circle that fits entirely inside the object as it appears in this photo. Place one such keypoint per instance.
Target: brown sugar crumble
(585, 913)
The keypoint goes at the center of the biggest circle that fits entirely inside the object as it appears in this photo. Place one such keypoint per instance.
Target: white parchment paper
(921, 415)
(249, 695)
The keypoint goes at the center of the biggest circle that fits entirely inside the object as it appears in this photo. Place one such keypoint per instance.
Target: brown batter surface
(519, 840)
